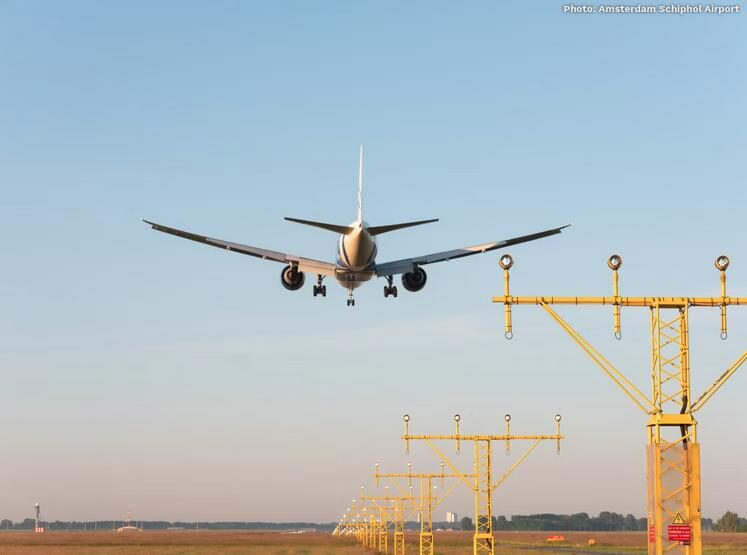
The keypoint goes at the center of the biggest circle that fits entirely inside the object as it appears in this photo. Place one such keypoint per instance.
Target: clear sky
(146, 373)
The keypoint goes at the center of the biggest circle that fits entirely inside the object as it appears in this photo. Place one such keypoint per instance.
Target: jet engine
(414, 281)
(292, 279)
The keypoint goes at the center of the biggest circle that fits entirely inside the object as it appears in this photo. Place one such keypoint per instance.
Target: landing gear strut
(320, 289)
(390, 289)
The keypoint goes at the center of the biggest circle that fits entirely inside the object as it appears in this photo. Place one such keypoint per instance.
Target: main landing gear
(320, 289)
(390, 289)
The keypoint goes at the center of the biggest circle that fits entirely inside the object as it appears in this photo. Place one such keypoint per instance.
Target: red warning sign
(651, 534)
(680, 533)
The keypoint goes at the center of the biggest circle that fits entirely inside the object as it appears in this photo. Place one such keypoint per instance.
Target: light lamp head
(615, 262)
(558, 418)
(406, 418)
(506, 261)
(457, 418)
(507, 418)
(722, 262)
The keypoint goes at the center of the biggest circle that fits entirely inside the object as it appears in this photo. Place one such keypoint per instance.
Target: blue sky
(146, 373)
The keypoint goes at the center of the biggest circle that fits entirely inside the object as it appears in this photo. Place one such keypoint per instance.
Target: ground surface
(251, 543)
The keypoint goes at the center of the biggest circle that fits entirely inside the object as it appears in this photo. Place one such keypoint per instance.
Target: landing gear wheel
(386, 291)
(351, 302)
(394, 291)
(320, 289)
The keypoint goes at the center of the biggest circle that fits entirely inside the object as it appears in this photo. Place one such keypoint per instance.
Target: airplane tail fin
(379, 229)
(360, 186)
(341, 229)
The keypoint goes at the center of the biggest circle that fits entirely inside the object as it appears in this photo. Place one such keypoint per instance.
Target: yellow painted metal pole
(506, 262)
(614, 263)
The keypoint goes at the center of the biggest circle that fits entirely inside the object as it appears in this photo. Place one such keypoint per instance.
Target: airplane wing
(409, 264)
(304, 264)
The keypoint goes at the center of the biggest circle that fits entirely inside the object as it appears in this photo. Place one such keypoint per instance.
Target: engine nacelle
(414, 281)
(292, 279)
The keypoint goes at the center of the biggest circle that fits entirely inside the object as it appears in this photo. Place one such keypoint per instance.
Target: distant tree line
(104, 525)
(605, 521)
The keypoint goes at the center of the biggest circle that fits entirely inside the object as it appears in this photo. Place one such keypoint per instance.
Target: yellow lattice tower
(383, 540)
(347, 526)
(396, 506)
(360, 523)
(482, 483)
(428, 500)
(673, 453)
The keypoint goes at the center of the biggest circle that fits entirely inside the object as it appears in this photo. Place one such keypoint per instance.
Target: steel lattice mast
(482, 484)
(428, 500)
(673, 453)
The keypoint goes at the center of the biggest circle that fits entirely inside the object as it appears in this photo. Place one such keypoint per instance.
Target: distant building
(451, 518)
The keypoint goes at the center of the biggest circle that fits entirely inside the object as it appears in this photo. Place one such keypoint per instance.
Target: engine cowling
(414, 281)
(292, 279)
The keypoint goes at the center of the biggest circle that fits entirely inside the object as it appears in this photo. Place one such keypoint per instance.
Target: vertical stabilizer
(360, 186)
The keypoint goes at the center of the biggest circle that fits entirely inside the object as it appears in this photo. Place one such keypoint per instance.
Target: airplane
(356, 253)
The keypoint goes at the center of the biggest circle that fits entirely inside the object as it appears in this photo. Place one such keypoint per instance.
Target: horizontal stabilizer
(379, 229)
(341, 229)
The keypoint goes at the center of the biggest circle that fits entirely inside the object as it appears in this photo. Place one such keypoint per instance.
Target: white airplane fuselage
(356, 256)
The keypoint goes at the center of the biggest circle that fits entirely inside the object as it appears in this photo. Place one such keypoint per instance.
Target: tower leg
(426, 543)
(483, 539)
(673, 457)
(399, 543)
(426, 516)
(673, 483)
(399, 529)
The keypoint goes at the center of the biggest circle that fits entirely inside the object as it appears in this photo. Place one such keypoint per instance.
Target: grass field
(251, 543)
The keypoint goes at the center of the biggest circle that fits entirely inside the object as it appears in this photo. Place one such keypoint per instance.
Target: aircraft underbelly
(351, 280)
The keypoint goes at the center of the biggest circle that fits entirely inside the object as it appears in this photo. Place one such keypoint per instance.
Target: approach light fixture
(722, 262)
(506, 261)
(615, 262)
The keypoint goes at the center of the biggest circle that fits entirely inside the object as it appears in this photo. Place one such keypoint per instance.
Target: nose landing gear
(320, 289)
(390, 289)
(351, 300)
